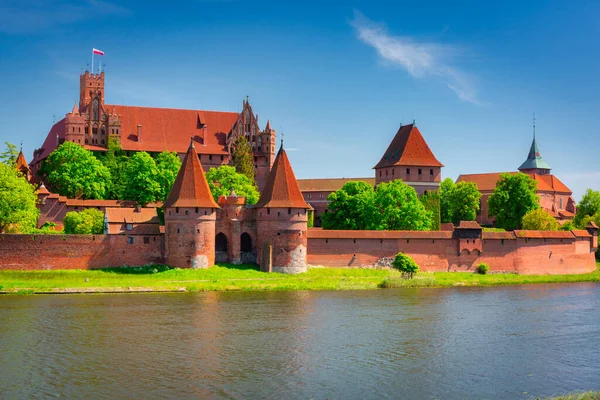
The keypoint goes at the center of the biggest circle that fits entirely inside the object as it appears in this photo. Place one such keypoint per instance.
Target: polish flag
(99, 52)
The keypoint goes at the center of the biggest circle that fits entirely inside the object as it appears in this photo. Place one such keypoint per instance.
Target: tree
(445, 188)
(74, 172)
(351, 207)
(87, 222)
(463, 201)
(399, 207)
(141, 177)
(18, 198)
(224, 179)
(431, 202)
(539, 220)
(512, 198)
(243, 159)
(406, 265)
(115, 160)
(588, 206)
(168, 165)
(9, 156)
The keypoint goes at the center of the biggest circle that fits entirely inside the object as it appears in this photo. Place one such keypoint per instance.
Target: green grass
(578, 396)
(227, 277)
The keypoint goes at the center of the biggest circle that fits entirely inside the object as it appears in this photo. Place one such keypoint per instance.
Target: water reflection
(410, 343)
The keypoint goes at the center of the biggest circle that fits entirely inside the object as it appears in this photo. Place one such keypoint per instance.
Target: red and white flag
(99, 52)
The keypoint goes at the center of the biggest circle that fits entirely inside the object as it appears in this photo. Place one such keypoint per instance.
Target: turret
(190, 215)
(75, 126)
(281, 221)
(535, 164)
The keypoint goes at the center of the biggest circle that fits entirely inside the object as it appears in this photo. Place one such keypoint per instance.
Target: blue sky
(336, 77)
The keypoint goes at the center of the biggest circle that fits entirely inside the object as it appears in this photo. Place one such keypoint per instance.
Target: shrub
(483, 269)
(406, 265)
(88, 221)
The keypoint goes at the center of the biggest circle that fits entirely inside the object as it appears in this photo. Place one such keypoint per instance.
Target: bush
(406, 265)
(483, 269)
(86, 222)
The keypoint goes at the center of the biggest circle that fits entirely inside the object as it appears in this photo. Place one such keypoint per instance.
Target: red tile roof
(581, 233)
(131, 216)
(592, 225)
(329, 184)
(497, 235)
(408, 148)
(58, 129)
(315, 233)
(191, 188)
(468, 225)
(281, 189)
(21, 162)
(544, 234)
(487, 182)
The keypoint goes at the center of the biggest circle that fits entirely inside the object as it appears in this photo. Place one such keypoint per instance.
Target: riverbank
(248, 278)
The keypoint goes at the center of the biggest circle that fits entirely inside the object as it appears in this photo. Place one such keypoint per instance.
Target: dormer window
(129, 227)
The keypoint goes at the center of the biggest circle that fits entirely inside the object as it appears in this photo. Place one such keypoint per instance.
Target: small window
(186, 212)
(176, 210)
(268, 211)
(419, 171)
(560, 203)
(393, 170)
(196, 210)
(380, 172)
(407, 171)
(210, 157)
(221, 158)
(289, 211)
(431, 172)
(129, 227)
(130, 239)
(146, 240)
(178, 230)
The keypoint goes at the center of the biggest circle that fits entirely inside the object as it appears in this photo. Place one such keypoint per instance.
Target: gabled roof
(408, 148)
(282, 189)
(468, 225)
(132, 215)
(22, 163)
(534, 159)
(487, 182)
(329, 184)
(191, 188)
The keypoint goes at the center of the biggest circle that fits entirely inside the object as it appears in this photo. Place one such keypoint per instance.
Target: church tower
(534, 162)
(281, 221)
(190, 217)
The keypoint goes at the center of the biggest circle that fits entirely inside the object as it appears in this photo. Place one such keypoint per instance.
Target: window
(379, 172)
(130, 240)
(419, 171)
(146, 240)
(221, 158)
(289, 211)
(560, 203)
(386, 172)
(176, 210)
(393, 170)
(210, 157)
(431, 172)
(196, 210)
(407, 171)
(129, 227)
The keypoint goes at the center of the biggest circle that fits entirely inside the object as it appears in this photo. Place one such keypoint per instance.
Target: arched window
(221, 242)
(95, 110)
(245, 242)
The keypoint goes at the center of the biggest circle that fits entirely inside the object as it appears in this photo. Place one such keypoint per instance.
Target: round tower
(282, 221)
(190, 217)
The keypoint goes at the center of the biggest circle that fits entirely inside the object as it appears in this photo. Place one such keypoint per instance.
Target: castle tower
(190, 215)
(535, 163)
(91, 86)
(281, 221)
(22, 167)
(75, 126)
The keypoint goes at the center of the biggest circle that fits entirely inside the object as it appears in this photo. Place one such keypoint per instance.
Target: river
(513, 342)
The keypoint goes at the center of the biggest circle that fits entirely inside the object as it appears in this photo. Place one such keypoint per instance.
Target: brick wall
(79, 251)
(434, 252)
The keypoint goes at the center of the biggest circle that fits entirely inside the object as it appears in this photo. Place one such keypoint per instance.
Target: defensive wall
(79, 251)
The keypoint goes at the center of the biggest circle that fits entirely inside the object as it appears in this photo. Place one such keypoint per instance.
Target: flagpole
(92, 61)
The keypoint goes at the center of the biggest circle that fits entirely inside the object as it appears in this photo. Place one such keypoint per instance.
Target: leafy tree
(310, 222)
(399, 207)
(588, 206)
(539, 220)
(463, 201)
(74, 172)
(86, 222)
(168, 165)
(445, 188)
(431, 202)
(9, 156)
(224, 179)
(115, 160)
(243, 158)
(351, 207)
(141, 177)
(18, 198)
(512, 198)
(405, 264)
(567, 226)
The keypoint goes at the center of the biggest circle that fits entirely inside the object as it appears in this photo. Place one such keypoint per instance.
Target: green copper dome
(534, 159)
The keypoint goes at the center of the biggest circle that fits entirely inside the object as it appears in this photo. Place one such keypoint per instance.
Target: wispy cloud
(420, 59)
(33, 16)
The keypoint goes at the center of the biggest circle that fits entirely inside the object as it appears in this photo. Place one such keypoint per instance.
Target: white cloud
(419, 58)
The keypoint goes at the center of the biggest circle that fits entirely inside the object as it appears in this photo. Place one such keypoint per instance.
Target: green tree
(512, 198)
(243, 158)
(351, 207)
(168, 165)
(224, 179)
(86, 222)
(18, 198)
(400, 208)
(539, 220)
(141, 177)
(9, 156)
(445, 212)
(431, 202)
(463, 201)
(115, 160)
(74, 172)
(406, 265)
(588, 206)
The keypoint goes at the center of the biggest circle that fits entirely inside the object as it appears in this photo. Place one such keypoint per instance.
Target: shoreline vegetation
(227, 277)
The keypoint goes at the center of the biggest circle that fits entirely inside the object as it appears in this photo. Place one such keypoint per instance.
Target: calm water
(464, 343)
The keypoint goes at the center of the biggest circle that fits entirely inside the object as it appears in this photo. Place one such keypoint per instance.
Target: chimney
(139, 132)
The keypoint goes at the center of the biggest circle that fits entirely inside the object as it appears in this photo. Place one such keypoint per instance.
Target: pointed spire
(282, 189)
(21, 162)
(190, 188)
(534, 159)
(75, 110)
(268, 127)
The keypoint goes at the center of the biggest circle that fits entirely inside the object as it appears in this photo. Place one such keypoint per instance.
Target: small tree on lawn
(406, 265)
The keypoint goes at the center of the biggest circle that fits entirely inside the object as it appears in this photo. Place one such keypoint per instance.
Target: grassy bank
(578, 396)
(248, 277)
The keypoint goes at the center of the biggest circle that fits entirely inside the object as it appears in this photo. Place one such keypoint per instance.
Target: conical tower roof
(21, 161)
(534, 159)
(282, 189)
(408, 148)
(191, 188)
